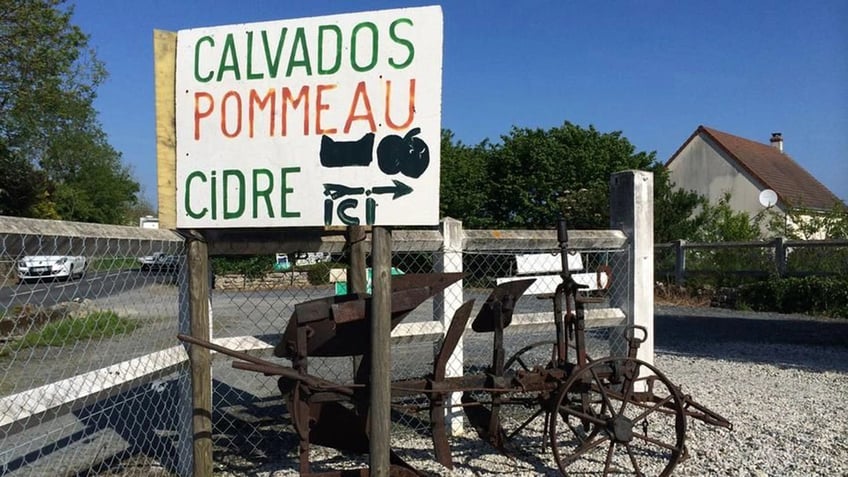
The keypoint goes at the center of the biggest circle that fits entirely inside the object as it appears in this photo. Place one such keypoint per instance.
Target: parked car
(51, 266)
(149, 260)
(160, 262)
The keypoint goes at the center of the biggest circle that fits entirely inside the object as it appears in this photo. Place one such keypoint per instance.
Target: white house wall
(707, 170)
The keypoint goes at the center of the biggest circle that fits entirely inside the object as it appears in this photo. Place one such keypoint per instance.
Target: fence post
(445, 305)
(632, 212)
(200, 357)
(355, 238)
(680, 262)
(356, 276)
(381, 357)
(780, 256)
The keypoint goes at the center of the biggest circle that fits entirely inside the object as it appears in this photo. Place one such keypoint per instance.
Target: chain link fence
(90, 371)
(94, 379)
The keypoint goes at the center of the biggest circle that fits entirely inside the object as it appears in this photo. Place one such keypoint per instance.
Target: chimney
(777, 141)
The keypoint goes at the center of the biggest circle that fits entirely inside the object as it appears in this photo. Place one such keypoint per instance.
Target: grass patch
(99, 324)
(113, 264)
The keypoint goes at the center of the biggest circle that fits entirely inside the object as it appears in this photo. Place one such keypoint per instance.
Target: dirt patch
(675, 295)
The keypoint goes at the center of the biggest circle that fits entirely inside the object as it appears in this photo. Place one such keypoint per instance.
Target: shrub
(319, 273)
(251, 266)
(811, 295)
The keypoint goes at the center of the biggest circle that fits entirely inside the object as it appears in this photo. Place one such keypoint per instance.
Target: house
(714, 163)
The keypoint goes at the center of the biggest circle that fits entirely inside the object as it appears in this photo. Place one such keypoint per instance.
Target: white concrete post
(445, 305)
(632, 212)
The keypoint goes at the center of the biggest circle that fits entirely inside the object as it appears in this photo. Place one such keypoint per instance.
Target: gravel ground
(787, 401)
(781, 379)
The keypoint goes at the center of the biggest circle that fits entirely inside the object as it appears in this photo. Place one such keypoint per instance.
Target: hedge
(811, 295)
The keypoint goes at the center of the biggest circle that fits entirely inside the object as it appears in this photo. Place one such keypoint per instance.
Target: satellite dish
(768, 198)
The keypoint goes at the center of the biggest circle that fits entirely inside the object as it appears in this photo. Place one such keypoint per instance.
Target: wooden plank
(595, 318)
(506, 240)
(243, 343)
(529, 263)
(417, 332)
(546, 284)
(309, 239)
(165, 68)
(31, 407)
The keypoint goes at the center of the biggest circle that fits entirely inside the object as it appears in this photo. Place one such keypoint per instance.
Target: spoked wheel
(526, 414)
(618, 416)
(540, 353)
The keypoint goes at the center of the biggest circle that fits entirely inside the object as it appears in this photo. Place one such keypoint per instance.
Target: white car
(51, 266)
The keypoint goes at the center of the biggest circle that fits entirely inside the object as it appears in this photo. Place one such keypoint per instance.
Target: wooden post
(165, 65)
(381, 359)
(780, 256)
(356, 276)
(356, 279)
(680, 262)
(201, 361)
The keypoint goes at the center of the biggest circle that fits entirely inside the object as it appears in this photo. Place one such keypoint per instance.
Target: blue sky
(654, 70)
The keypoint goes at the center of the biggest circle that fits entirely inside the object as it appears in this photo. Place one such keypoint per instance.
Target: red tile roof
(777, 171)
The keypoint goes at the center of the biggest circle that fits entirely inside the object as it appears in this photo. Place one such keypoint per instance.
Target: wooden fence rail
(777, 254)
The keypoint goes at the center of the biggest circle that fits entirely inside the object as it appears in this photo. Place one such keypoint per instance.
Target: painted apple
(408, 155)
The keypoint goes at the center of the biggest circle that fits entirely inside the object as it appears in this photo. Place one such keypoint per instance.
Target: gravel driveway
(781, 379)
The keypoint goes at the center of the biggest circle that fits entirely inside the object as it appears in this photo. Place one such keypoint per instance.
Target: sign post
(381, 357)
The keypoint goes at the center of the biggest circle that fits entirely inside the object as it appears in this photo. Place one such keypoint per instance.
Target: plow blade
(339, 325)
(500, 303)
(480, 418)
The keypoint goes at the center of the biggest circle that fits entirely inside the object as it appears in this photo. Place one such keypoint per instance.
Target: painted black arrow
(337, 190)
(399, 189)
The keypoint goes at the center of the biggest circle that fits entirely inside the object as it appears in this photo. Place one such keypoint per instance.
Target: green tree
(534, 175)
(464, 182)
(532, 169)
(92, 185)
(720, 223)
(48, 126)
(675, 210)
(804, 224)
(22, 187)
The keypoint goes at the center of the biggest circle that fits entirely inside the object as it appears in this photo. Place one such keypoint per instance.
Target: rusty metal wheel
(522, 415)
(540, 353)
(618, 416)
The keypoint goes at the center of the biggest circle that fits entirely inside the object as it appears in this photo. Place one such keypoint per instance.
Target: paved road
(92, 286)
(679, 328)
(796, 341)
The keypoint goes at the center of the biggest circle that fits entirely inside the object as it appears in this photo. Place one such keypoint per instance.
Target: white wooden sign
(318, 121)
